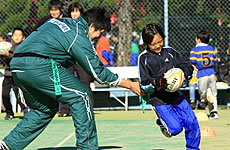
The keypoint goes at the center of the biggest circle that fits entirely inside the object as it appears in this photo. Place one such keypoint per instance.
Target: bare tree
(125, 33)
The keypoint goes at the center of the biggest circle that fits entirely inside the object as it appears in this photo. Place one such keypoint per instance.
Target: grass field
(120, 130)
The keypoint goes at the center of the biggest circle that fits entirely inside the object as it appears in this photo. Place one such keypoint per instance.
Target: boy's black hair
(149, 31)
(20, 29)
(73, 6)
(56, 3)
(204, 36)
(98, 17)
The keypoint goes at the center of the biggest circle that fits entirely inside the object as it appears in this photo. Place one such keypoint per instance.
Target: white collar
(201, 44)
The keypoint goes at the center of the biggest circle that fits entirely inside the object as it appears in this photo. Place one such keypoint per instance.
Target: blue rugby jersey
(203, 56)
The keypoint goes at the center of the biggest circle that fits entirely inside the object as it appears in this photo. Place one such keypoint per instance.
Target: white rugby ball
(5, 46)
(175, 79)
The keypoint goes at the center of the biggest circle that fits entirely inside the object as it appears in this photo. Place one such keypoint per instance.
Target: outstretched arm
(132, 86)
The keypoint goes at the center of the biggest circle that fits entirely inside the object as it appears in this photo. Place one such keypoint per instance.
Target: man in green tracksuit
(39, 70)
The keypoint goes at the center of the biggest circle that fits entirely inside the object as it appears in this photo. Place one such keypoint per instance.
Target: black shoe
(163, 129)
(25, 111)
(202, 104)
(9, 117)
(63, 115)
(193, 104)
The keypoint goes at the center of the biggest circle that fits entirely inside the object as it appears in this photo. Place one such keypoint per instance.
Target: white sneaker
(214, 115)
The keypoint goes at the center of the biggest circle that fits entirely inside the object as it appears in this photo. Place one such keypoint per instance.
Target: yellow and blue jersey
(203, 56)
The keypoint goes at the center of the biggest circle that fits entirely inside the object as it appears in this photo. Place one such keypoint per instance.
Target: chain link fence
(184, 19)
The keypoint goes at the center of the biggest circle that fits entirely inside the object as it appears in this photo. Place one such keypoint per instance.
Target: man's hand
(135, 88)
(132, 86)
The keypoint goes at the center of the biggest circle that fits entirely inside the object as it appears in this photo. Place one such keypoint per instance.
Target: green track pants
(38, 88)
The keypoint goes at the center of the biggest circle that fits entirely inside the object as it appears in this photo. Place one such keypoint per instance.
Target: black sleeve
(184, 64)
(144, 73)
(146, 79)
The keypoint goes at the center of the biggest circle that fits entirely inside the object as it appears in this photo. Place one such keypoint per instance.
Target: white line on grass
(63, 141)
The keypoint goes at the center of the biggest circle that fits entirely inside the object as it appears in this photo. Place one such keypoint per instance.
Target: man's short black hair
(20, 29)
(203, 35)
(56, 3)
(149, 31)
(98, 17)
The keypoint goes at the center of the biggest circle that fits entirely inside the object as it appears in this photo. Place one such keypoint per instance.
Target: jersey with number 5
(204, 58)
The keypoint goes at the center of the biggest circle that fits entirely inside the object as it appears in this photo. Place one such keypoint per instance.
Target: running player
(172, 109)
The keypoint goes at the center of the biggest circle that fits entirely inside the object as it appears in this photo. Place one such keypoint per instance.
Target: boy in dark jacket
(8, 82)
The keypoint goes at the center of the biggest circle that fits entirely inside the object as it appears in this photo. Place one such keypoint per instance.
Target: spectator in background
(134, 50)
(55, 11)
(74, 11)
(113, 20)
(192, 89)
(228, 50)
(2, 38)
(6, 38)
(8, 82)
(113, 41)
(223, 72)
(134, 53)
(2, 62)
(107, 56)
(203, 56)
(103, 51)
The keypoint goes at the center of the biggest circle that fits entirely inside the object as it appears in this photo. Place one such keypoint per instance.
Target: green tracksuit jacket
(65, 41)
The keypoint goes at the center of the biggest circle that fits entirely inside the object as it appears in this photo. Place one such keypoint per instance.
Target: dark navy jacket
(153, 65)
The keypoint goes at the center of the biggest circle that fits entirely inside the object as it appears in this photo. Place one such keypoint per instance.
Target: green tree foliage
(144, 12)
(109, 5)
(43, 9)
(13, 14)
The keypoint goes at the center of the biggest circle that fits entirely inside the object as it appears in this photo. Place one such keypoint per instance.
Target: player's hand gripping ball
(175, 79)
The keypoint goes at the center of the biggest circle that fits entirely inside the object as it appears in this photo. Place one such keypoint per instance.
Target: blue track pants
(177, 117)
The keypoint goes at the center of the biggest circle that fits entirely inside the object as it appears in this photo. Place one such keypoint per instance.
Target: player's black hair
(98, 17)
(149, 31)
(203, 35)
(73, 6)
(20, 29)
(56, 3)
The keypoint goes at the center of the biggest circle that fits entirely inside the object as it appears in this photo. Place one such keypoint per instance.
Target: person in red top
(103, 51)
(103, 47)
